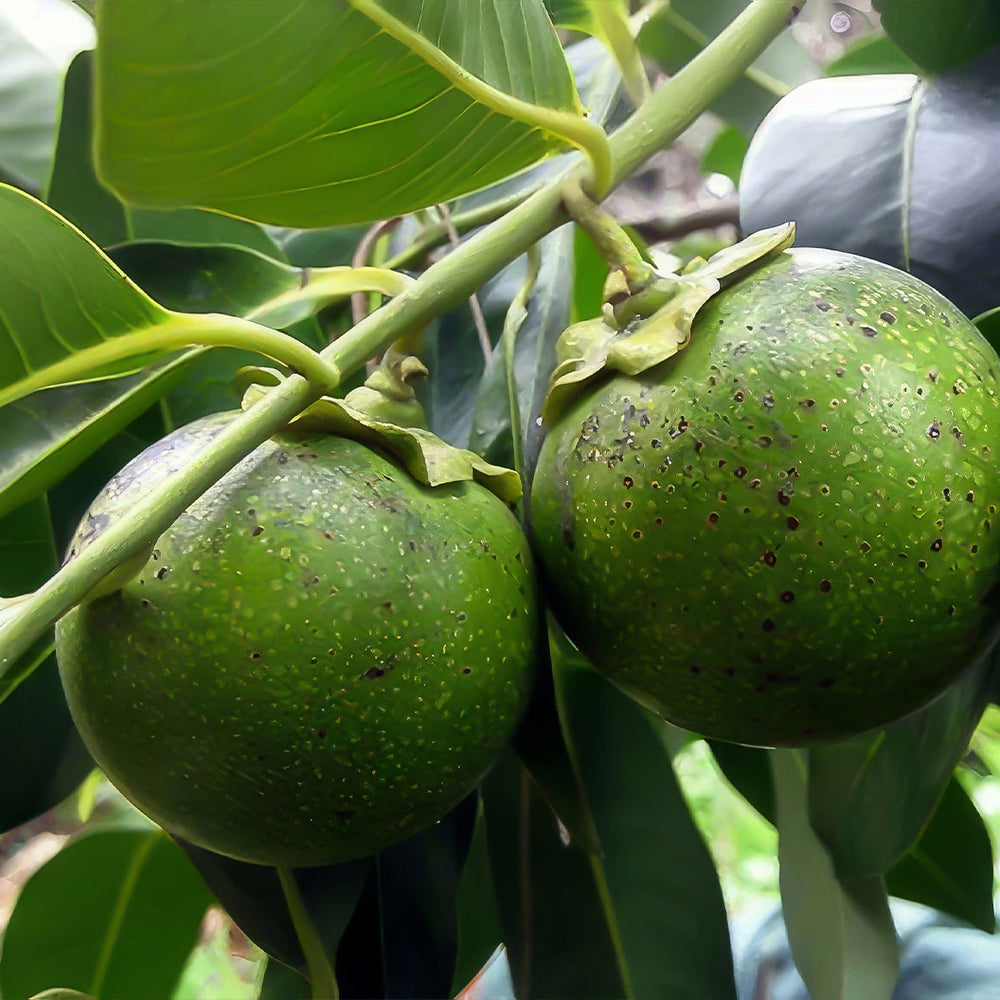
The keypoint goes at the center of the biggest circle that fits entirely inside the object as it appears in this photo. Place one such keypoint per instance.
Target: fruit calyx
(384, 413)
(646, 328)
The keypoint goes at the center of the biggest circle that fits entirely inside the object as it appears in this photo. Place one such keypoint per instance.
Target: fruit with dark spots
(321, 689)
(836, 560)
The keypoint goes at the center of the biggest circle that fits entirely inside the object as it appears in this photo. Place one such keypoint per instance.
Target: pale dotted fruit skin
(320, 658)
(787, 533)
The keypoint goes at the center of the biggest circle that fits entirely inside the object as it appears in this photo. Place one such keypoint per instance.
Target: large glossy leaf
(405, 104)
(543, 318)
(941, 34)
(114, 914)
(388, 923)
(868, 165)
(871, 797)
(663, 893)
(37, 41)
(840, 931)
(253, 897)
(74, 191)
(558, 939)
(951, 867)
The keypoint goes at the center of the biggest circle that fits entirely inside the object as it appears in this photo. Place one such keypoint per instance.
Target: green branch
(442, 287)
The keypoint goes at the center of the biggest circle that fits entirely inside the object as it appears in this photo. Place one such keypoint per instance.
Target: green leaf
(748, 770)
(680, 30)
(84, 319)
(74, 191)
(480, 932)
(558, 941)
(459, 101)
(657, 878)
(989, 326)
(253, 897)
(951, 866)
(51, 432)
(840, 931)
(34, 53)
(725, 153)
(871, 797)
(871, 54)
(114, 914)
(941, 34)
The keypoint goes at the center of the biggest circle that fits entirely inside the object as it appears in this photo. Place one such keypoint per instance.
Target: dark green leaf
(558, 941)
(253, 897)
(34, 54)
(941, 34)
(840, 931)
(872, 54)
(951, 866)
(74, 191)
(747, 769)
(725, 153)
(412, 135)
(114, 914)
(480, 932)
(36, 732)
(989, 326)
(662, 888)
(871, 797)
(540, 744)
(590, 273)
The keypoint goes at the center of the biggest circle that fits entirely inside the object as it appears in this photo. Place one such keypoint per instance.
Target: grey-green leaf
(37, 42)
(840, 931)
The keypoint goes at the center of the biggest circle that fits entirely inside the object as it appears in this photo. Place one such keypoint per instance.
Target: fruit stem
(321, 976)
(612, 241)
(443, 286)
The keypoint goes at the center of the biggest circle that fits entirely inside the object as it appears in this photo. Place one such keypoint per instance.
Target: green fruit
(320, 658)
(788, 532)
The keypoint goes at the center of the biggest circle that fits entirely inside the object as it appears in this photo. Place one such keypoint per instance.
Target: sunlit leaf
(840, 931)
(114, 914)
(37, 41)
(74, 191)
(260, 121)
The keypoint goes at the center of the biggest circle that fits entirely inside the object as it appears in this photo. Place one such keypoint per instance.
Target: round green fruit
(320, 658)
(788, 532)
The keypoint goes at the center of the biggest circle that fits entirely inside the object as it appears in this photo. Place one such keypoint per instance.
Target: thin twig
(477, 312)
(362, 257)
(725, 213)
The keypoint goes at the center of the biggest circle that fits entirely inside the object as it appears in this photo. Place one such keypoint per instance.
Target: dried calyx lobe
(787, 532)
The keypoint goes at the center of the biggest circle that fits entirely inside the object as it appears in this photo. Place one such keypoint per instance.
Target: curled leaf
(587, 349)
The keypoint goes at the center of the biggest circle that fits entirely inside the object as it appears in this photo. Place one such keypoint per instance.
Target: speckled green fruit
(788, 532)
(320, 658)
